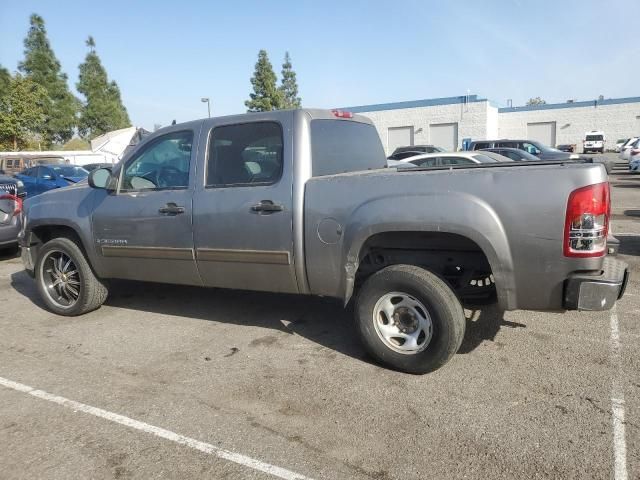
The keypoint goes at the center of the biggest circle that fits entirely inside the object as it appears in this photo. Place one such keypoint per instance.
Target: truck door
(143, 230)
(243, 209)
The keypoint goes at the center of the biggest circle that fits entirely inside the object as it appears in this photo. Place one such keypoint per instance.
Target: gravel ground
(283, 380)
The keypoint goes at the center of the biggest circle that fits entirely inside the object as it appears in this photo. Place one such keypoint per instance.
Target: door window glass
(162, 164)
(456, 160)
(245, 155)
(426, 162)
(532, 149)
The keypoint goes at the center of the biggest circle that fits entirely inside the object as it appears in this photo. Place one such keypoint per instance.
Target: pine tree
(265, 96)
(22, 111)
(5, 81)
(102, 110)
(289, 86)
(42, 67)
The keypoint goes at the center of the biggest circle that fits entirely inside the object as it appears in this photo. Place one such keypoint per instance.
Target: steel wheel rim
(60, 279)
(402, 323)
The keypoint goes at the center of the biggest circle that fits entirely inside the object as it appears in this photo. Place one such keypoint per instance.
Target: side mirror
(99, 178)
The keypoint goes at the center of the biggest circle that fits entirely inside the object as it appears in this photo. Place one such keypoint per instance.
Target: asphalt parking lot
(279, 384)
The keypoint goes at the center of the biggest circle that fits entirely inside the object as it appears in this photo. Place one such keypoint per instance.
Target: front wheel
(65, 279)
(409, 319)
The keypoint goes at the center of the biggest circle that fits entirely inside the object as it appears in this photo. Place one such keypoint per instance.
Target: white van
(593, 142)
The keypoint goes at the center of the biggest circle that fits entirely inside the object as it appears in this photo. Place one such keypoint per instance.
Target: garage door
(544, 132)
(399, 137)
(444, 135)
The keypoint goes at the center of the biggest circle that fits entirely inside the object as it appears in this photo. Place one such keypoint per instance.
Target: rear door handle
(267, 206)
(171, 209)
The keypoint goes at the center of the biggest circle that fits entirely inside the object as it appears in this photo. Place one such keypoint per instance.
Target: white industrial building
(445, 122)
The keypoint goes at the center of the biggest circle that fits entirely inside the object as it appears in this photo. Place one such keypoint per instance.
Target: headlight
(19, 183)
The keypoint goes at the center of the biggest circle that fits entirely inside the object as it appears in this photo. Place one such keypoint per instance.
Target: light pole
(206, 99)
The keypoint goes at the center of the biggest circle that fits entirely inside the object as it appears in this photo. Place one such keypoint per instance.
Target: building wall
(471, 119)
(478, 119)
(615, 120)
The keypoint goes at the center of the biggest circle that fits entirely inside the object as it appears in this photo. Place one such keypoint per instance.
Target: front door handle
(266, 206)
(171, 209)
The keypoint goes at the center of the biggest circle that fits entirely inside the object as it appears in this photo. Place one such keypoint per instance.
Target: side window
(532, 149)
(426, 162)
(162, 164)
(245, 154)
(481, 145)
(506, 145)
(455, 161)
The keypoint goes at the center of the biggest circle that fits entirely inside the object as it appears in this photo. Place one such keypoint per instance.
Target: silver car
(448, 159)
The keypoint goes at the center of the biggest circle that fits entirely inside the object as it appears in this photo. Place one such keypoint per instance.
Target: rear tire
(409, 319)
(65, 280)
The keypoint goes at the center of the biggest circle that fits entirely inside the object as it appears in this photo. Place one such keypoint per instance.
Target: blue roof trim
(552, 106)
(415, 103)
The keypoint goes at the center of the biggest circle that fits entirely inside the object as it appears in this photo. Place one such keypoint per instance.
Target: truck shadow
(320, 320)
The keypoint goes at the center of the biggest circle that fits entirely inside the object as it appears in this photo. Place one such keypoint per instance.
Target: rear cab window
(339, 146)
(247, 154)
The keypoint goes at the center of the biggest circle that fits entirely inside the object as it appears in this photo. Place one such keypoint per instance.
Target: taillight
(587, 221)
(10, 204)
(342, 114)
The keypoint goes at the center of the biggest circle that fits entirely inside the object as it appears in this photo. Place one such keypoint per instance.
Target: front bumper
(596, 291)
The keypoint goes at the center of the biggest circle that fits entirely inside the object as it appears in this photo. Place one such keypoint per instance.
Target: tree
(42, 67)
(536, 101)
(289, 86)
(102, 110)
(5, 81)
(265, 96)
(22, 111)
(77, 144)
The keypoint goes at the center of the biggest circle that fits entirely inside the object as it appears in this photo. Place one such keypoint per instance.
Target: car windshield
(594, 138)
(70, 171)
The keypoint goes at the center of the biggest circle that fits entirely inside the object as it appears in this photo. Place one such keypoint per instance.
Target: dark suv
(531, 146)
(401, 153)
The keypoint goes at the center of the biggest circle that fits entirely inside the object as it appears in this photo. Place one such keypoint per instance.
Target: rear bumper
(599, 291)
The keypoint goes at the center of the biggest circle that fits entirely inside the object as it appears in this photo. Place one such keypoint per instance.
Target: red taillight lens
(587, 221)
(10, 204)
(342, 114)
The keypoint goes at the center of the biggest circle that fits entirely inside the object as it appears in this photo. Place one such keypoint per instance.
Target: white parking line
(617, 403)
(157, 431)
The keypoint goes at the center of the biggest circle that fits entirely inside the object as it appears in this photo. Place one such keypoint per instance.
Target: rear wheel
(409, 319)
(65, 279)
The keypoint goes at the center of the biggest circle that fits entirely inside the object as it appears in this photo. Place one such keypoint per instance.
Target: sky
(166, 55)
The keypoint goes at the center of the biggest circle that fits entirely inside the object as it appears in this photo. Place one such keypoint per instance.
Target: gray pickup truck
(301, 202)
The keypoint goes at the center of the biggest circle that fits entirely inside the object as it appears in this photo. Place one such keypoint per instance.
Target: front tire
(65, 280)
(409, 319)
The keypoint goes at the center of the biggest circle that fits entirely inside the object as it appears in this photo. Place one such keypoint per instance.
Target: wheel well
(42, 234)
(457, 259)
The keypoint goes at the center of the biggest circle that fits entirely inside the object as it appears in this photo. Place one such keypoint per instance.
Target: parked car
(619, 144)
(514, 154)
(446, 159)
(533, 147)
(594, 141)
(634, 159)
(90, 167)
(11, 196)
(401, 153)
(625, 152)
(540, 150)
(566, 147)
(47, 177)
(265, 201)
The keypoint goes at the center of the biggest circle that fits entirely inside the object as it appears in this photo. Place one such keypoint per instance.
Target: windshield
(594, 138)
(70, 171)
